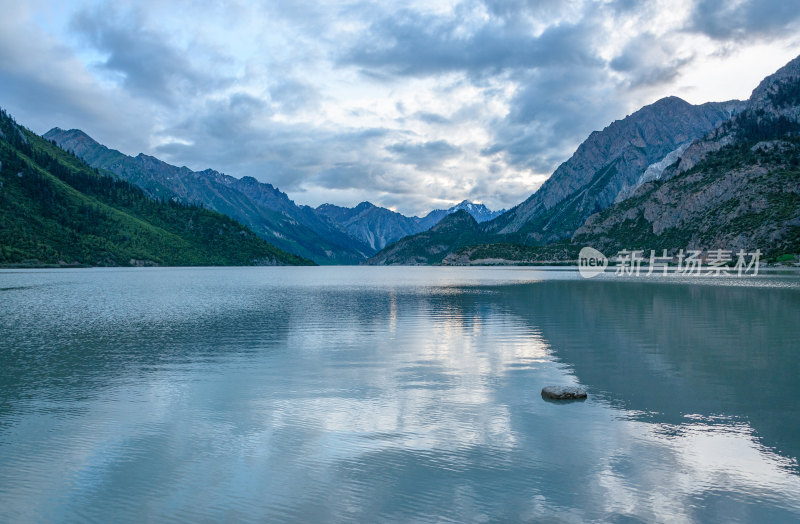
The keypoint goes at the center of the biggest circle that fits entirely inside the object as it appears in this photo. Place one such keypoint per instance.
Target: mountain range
(57, 210)
(328, 234)
(670, 176)
(378, 226)
(607, 163)
(263, 208)
(738, 188)
(455, 230)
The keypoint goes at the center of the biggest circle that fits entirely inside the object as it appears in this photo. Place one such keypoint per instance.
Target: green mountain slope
(261, 207)
(55, 209)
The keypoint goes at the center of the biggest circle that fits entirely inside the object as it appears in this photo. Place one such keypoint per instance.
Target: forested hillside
(57, 210)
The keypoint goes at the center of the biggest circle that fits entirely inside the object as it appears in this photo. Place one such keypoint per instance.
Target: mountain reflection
(668, 351)
(408, 394)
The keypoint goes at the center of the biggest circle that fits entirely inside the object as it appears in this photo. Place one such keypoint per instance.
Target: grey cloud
(563, 85)
(619, 7)
(291, 95)
(512, 9)
(237, 135)
(552, 113)
(410, 43)
(344, 175)
(43, 84)
(648, 60)
(355, 175)
(725, 20)
(431, 118)
(39, 102)
(146, 63)
(426, 155)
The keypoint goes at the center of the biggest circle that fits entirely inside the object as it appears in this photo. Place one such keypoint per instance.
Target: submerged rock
(563, 393)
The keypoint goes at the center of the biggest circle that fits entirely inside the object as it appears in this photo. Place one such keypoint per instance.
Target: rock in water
(563, 393)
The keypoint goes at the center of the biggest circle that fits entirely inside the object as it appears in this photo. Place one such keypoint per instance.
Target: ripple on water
(410, 394)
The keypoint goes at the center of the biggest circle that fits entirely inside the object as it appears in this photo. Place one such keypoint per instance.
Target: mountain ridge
(738, 188)
(608, 162)
(264, 208)
(57, 210)
(379, 226)
(685, 191)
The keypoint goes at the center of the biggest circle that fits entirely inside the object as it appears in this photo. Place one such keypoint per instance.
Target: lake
(399, 394)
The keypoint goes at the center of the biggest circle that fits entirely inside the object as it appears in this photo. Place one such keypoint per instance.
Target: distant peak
(211, 173)
(667, 101)
(459, 218)
(71, 133)
(671, 99)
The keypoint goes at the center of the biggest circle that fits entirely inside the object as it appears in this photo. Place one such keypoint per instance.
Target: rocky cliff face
(379, 227)
(736, 188)
(375, 226)
(741, 197)
(262, 207)
(778, 94)
(608, 163)
(772, 110)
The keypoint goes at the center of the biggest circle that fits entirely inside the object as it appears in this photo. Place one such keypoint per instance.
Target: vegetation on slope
(55, 209)
(746, 195)
(430, 247)
(267, 211)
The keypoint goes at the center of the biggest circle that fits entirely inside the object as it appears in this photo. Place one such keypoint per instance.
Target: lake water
(396, 395)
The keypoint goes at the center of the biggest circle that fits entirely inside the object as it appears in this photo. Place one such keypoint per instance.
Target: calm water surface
(396, 395)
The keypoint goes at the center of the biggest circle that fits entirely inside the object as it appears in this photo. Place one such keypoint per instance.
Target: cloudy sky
(411, 105)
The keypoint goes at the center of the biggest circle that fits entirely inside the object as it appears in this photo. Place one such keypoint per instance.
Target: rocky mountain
(606, 167)
(372, 225)
(379, 227)
(737, 188)
(608, 163)
(266, 210)
(430, 247)
(57, 210)
(670, 176)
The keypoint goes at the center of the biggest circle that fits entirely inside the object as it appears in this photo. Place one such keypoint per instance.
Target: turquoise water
(396, 395)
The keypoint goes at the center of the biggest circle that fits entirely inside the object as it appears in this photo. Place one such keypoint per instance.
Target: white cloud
(319, 97)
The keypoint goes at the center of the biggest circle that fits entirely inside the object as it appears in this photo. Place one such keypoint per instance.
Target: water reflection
(394, 394)
(670, 350)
